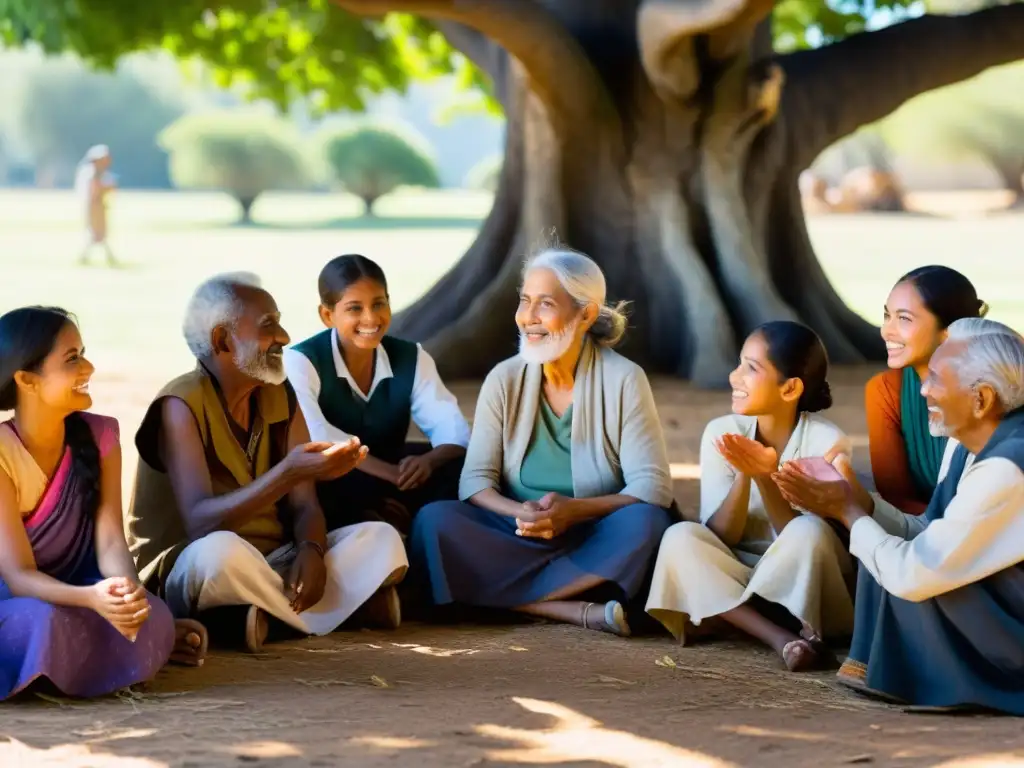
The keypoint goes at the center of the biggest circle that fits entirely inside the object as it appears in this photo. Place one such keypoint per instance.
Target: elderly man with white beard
(566, 482)
(224, 523)
(939, 617)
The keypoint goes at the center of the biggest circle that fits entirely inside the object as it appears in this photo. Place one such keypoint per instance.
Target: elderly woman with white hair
(940, 597)
(566, 485)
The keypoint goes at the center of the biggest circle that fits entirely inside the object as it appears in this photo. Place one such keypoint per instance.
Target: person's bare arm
(491, 500)
(181, 451)
(778, 510)
(302, 499)
(382, 470)
(112, 553)
(730, 519)
(18, 564)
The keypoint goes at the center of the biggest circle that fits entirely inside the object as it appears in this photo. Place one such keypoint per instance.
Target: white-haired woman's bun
(611, 324)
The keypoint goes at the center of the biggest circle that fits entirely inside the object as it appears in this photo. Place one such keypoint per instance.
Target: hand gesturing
(746, 456)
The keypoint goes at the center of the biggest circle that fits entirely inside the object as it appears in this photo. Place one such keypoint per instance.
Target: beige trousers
(223, 569)
(696, 576)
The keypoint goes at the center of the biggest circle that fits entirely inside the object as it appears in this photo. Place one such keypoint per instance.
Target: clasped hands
(122, 602)
(549, 516)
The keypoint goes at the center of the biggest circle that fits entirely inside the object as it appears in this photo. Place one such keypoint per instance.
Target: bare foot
(800, 656)
(826, 658)
(190, 642)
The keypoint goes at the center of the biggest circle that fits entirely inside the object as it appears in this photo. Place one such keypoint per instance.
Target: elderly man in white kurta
(225, 523)
(940, 597)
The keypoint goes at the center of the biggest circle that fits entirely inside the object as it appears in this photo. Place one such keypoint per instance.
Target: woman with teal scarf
(905, 457)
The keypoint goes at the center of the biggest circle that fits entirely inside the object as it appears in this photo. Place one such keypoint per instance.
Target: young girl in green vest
(352, 379)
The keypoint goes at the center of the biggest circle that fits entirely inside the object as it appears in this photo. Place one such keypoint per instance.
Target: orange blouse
(889, 464)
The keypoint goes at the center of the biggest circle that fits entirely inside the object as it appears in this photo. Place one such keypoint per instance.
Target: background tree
(65, 109)
(663, 137)
(371, 161)
(485, 175)
(240, 153)
(980, 120)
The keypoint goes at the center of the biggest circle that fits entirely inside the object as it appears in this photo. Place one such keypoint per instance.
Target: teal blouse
(547, 465)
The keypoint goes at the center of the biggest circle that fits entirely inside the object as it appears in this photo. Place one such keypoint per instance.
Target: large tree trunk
(663, 139)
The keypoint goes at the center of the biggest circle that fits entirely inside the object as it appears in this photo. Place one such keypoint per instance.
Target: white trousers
(223, 569)
(804, 570)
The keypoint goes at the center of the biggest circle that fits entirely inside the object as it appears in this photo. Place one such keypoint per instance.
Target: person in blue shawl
(939, 619)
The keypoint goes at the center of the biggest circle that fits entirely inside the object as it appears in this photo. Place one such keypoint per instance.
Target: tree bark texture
(664, 139)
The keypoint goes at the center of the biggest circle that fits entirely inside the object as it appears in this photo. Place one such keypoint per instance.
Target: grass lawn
(170, 241)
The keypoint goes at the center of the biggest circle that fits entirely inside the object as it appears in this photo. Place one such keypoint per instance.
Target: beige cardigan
(617, 442)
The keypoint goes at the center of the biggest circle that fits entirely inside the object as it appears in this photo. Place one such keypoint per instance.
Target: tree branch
(666, 30)
(486, 55)
(838, 88)
(559, 70)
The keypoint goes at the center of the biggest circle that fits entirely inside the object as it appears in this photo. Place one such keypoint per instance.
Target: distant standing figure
(93, 181)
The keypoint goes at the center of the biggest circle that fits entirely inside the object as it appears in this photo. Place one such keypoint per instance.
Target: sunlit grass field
(169, 241)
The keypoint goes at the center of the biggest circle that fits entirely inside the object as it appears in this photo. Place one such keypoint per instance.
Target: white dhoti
(223, 569)
(805, 570)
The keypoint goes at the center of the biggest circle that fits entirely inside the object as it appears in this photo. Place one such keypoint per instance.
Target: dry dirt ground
(503, 695)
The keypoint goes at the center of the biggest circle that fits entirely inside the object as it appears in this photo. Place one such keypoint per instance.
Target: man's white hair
(991, 353)
(215, 302)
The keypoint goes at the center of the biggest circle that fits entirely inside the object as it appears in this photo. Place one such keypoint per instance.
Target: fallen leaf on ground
(321, 683)
(607, 679)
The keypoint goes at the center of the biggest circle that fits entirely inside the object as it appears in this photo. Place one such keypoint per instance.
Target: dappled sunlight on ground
(14, 754)
(391, 743)
(1001, 760)
(263, 750)
(574, 737)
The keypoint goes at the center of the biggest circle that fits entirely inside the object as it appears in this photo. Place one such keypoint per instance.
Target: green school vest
(382, 423)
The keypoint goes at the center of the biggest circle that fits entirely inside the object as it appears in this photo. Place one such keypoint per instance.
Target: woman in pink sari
(72, 611)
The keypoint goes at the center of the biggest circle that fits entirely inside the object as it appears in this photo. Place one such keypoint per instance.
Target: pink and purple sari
(75, 649)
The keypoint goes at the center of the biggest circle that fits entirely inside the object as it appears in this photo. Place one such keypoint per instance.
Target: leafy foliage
(243, 154)
(372, 160)
(808, 23)
(283, 51)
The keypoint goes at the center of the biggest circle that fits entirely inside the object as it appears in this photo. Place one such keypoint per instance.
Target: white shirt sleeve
(306, 383)
(716, 474)
(981, 533)
(434, 409)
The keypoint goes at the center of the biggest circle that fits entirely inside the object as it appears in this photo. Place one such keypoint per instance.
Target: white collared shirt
(980, 533)
(434, 409)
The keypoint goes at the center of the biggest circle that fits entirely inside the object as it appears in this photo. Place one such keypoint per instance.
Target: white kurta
(980, 533)
(223, 569)
(805, 569)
